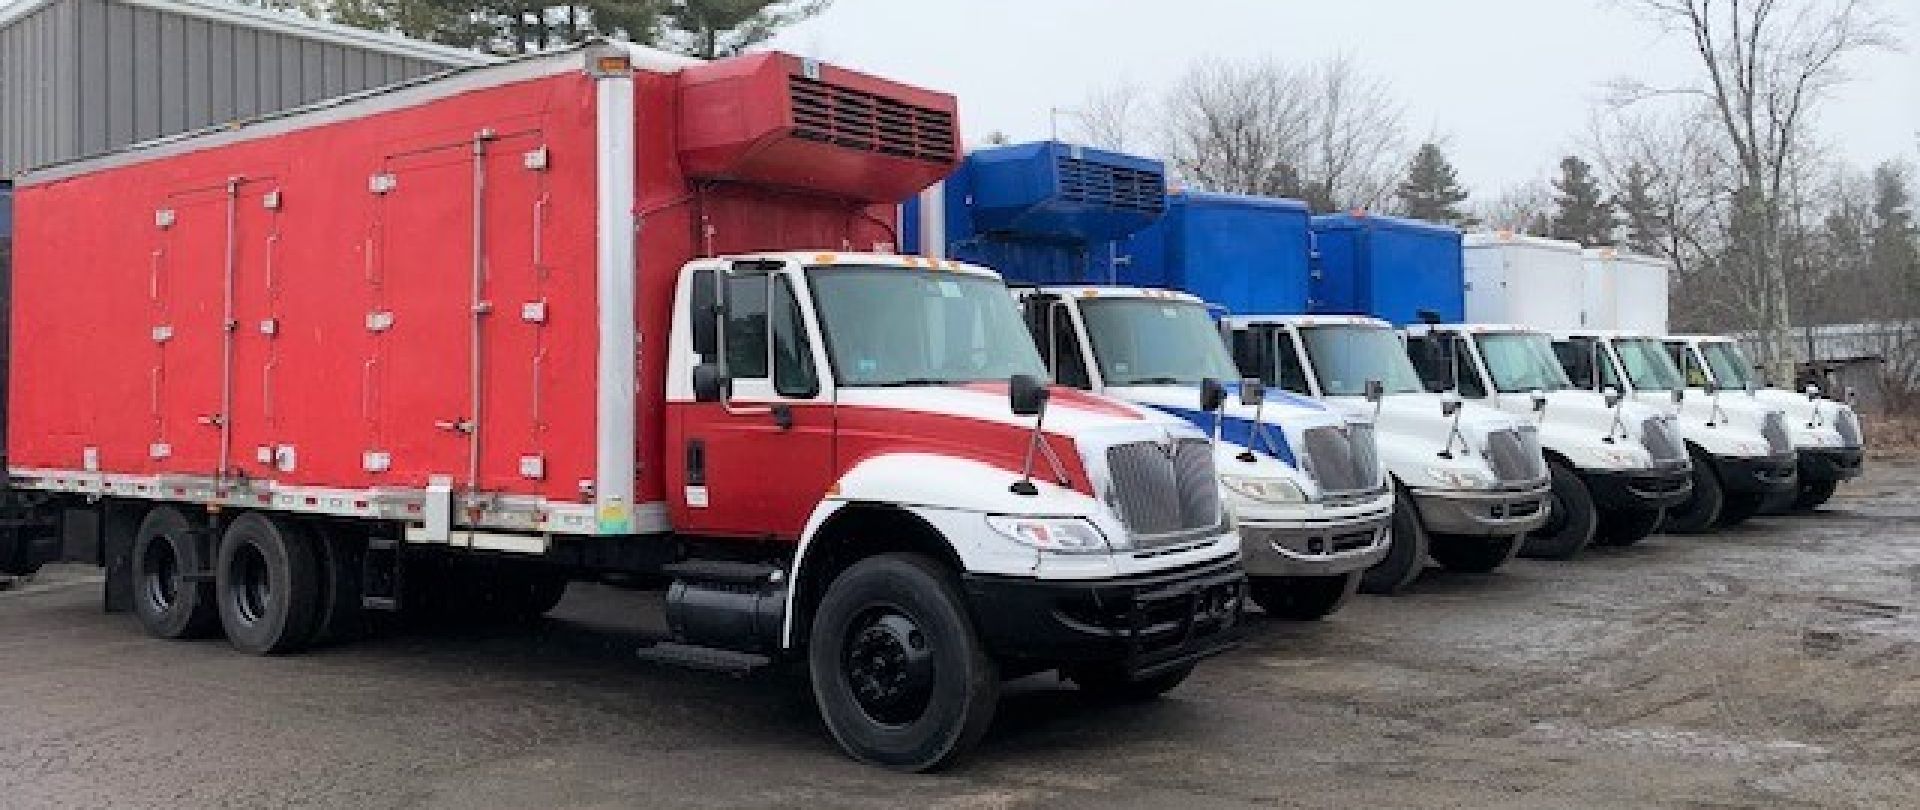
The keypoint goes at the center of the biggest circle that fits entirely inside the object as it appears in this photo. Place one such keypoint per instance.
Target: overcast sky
(1510, 84)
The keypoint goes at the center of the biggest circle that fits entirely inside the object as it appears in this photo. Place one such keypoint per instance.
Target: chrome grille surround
(1514, 454)
(1342, 460)
(1662, 441)
(1165, 493)
(1774, 428)
(1848, 424)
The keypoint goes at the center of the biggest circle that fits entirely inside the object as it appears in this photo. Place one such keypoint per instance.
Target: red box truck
(458, 341)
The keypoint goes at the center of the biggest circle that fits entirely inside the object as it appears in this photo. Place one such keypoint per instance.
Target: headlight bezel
(1264, 489)
(1461, 478)
(1044, 534)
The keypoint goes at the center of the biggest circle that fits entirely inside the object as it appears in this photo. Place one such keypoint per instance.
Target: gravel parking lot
(1778, 664)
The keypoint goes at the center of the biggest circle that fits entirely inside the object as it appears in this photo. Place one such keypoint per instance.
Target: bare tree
(1521, 208)
(1766, 66)
(1326, 133)
(1111, 117)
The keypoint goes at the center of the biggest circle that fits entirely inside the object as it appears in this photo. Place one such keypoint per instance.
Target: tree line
(703, 28)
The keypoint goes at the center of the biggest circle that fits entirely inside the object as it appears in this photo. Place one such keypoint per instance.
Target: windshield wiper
(918, 382)
(1154, 381)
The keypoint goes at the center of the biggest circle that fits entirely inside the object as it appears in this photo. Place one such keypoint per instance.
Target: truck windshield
(896, 327)
(1139, 341)
(1520, 363)
(1345, 357)
(1648, 366)
(1730, 367)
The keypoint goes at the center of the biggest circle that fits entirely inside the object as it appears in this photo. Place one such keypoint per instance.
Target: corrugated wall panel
(81, 77)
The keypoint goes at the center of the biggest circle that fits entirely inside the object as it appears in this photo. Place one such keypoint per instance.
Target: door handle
(782, 415)
(461, 426)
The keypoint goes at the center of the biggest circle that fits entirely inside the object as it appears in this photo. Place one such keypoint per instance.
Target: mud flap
(116, 527)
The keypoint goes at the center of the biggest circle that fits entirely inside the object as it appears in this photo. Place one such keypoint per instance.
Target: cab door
(756, 463)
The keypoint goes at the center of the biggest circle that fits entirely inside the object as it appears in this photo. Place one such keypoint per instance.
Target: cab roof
(831, 258)
(1239, 321)
(1098, 291)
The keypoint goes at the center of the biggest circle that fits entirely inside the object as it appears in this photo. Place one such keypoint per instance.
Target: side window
(1249, 353)
(1609, 373)
(746, 329)
(1689, 364)
(1288, 373)
(1064, 357)
(702, 300)
(1576, 356)
(1466, 371)
(793, 370)
(1431, 362)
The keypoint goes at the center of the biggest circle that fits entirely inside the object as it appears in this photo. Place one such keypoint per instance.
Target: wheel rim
(1556, 514)
(252, 586)
(161, 574)
(889, 666)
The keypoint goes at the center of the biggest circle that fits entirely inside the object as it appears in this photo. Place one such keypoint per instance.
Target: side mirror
(1813, 391)
(1027, 395)
(1679, 396)
(1539, 401)
(1376, 391)
(1710, 387)
(1853, 395)
(1252, 392)
(709, 383)
(1213, 395)
(1449, 403)
(1613, 396)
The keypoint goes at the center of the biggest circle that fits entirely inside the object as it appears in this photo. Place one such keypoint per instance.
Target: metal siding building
(79, 77)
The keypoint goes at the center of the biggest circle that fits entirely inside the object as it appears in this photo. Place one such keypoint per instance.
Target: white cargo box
(1627, 291)
(1525, 280)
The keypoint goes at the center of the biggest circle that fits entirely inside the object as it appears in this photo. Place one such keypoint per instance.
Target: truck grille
(1848, 423)
(1165, 494)
(1515, 455)
(1775, 429)
(1662, 441)
(1342, 460)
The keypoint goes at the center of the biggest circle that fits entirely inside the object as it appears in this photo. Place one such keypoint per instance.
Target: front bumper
(1315, 548)
(1832, 463)
(1639, 490)
(1150, 623)
(1769, 475)
(1483, 513)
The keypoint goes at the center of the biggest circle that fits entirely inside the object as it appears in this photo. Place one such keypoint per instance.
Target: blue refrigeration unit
(1247, 255)
(1390, 268)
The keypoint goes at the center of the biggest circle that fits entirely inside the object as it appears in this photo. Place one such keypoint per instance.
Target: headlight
(1052, 535)
(1619, 458)
(1264, 490)
(1460, 479)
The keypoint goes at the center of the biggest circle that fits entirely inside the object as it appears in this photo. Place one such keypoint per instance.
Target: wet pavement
(1773, 665)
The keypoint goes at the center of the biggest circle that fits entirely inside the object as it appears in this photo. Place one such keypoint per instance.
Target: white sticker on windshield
(1169, 313)
(949, 289)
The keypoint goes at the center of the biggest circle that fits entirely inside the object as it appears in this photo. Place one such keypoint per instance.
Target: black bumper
(1765, 476)
(1638, 491)
(1832, 464)
(1150, 623)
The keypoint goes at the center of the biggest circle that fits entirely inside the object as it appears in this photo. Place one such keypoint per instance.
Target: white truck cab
(1471, 480)
(1616, 464)
(1826, 433)
(1302, 482)
(1741, 450)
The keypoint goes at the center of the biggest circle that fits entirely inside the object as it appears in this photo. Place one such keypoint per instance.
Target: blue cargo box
(1390, 268)
(1246, 254)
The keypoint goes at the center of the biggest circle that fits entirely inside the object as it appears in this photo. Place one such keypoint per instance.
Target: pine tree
(1582, 213)
(1646, 225)
(1895, 243)
(704, 28)
(1432, 190)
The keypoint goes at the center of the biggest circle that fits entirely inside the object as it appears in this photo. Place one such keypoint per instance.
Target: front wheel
(1814, 494)
(1474, 555)
(1406, 553)
(1570, 523)
(899, 673)
(1701, 510)
(1303, 599)
(1741, 508)
(1626, 527)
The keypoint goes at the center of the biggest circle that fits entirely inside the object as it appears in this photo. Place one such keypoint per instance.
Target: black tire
(1571, 522)
(1741, 507)
(1814, 493)
(529, 593)
(1107, 684)
(1474, 555)
(1621, 528)
(896, 625)
(1700, 512)
(341, 617)
(165, 554)
(268, 585)
(1303, 599)
(1407, 546)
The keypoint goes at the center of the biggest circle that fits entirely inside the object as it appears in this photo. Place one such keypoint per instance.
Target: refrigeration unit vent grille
(867, 122)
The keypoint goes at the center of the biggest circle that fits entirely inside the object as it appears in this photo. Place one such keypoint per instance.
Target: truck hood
(1815, 423)
(1277, 446)
(1732, 428)
(1578, 426)
(1413, 436)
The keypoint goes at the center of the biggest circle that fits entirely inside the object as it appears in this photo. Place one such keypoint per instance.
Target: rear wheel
(1701, 510)
(1303, 599)
(1108, 684)
(1571, 521)
(1406, 553)
(169, 598)
(340, 616)
(1474, 555)
(1625, 528)
(899, 673)
(268, 585)
(1814, 493)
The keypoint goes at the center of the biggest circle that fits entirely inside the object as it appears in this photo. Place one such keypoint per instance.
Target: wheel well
(854, 533)
(1553, 457)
